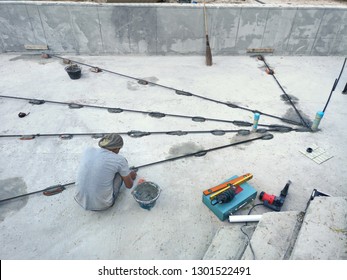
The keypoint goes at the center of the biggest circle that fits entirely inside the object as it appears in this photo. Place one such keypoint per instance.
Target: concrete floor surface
(179, 226)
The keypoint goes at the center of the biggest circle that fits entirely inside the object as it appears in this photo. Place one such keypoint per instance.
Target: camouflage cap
(111, 141)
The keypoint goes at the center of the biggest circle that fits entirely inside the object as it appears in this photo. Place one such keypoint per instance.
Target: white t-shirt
(96, 178)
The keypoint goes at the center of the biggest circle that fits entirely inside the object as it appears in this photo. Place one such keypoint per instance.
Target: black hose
(249, 239)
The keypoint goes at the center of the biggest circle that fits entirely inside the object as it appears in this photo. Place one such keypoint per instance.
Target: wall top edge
(174, 5)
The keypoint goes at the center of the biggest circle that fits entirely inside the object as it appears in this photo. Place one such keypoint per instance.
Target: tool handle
(284, 192)
(272, 206)
(214, 202)
(205, 15)
(214, 195)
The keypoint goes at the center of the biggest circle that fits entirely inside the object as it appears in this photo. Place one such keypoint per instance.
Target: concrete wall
(172, 29)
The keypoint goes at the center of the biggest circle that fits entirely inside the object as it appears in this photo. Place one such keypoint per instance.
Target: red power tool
(274, 202)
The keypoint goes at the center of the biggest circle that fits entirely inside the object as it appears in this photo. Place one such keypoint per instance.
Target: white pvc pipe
(244, 218)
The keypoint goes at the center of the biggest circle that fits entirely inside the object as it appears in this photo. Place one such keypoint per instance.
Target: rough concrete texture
(229, 242)
(264, 2)
(274, 236)
(180, 226)
(323, 234)
(169, 29)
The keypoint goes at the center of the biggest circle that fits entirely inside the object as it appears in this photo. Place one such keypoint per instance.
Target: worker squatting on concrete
(101, 174)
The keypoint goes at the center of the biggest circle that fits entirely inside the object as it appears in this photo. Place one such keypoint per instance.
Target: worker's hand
(133, 174)
(133, 168)
(129, 179)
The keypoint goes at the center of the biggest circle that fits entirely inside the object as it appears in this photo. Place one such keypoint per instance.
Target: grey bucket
(146, 194)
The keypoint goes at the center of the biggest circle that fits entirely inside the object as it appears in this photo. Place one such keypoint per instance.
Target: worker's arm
(129, 179)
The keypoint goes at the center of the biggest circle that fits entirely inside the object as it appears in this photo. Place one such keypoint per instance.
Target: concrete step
(320, 233)
(275, 236)
(229, 243)
(323, 235)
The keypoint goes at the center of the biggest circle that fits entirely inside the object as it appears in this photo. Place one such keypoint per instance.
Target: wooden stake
(208, 48)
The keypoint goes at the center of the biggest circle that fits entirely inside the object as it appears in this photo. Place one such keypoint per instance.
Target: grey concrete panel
(223, 28)
(331, 24)
(323, 232)
(224, 46)
(343, 27)
(180, 30)
(278, 27)
(300, 46)
(306, 23)
(56, 23)
(339, 46)
(2, 48)
(114, 24)
(165, 30)
(86, 26)
(143, 30)
(7, 30)
(251, 28)
(35, 20)
(322, 46)
(16, 30)
(128, 30)
(223, 22)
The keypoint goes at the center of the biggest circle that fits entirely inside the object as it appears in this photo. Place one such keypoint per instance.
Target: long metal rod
(35, 192)
(203, 152)
(120, 110)
(335, 85)
(343, 67)
(180, 92)
(331, 93)
(138, 133)
(285, 93)
(132, 133)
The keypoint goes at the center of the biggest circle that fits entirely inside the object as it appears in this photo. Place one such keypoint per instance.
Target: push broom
(208, 48)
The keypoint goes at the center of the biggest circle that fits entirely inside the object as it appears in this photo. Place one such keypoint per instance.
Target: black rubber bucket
(146, 194)
(74, 71)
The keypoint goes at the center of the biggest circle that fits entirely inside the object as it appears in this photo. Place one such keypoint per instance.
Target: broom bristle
(208, 52)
